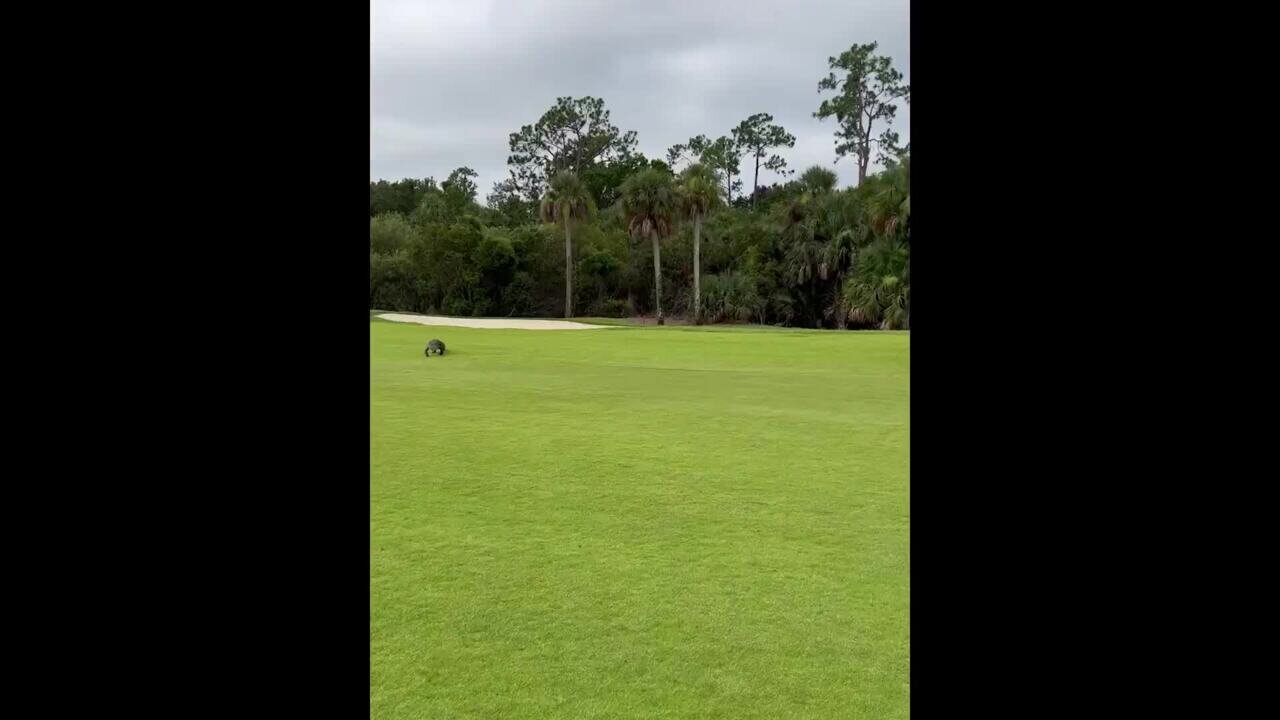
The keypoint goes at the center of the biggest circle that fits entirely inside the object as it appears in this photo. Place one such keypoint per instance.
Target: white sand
(512, 323)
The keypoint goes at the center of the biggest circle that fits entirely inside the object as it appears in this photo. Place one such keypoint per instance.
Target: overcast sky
(450, 79)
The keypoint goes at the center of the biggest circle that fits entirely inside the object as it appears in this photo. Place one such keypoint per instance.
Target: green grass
(638, 523)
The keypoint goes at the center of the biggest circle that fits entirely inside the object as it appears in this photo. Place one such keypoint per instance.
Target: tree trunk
(568, 272)
(755, 183)
(697, 269)
(657, 277)
(864, 153)
(842, 311)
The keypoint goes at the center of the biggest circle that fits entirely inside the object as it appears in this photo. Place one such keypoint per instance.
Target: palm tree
(567, 201)
(650, 202)
(842, 226)
(801, 250)
(889, 201)
(699, 195)
(829, 218)
(821, 230)
(889, 208)
(818, 180)
(878, 291)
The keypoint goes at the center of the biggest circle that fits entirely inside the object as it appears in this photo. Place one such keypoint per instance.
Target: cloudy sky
(450, 79)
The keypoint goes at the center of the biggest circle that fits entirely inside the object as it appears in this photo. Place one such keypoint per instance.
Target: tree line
(585, 225)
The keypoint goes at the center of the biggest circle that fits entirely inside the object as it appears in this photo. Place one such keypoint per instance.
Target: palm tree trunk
(657, 277)
(568, 272)
(697, 270)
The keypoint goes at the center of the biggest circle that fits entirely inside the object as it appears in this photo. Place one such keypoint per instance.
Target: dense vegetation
(580, 197)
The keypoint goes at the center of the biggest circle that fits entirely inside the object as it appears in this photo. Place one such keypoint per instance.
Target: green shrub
(389, 233)
(610, 307)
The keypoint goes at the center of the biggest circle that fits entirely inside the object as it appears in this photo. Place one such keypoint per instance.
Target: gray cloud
(450, 79)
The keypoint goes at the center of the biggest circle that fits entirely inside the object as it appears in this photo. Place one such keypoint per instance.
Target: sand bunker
(492, 323)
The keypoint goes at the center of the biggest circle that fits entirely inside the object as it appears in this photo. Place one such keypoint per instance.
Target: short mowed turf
(638, 522)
